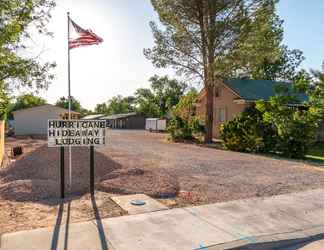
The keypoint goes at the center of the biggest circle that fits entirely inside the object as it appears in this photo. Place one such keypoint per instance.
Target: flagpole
(69, 96)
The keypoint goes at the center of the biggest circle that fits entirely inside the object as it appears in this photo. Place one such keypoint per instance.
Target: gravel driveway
(209, 175)
(139, 161)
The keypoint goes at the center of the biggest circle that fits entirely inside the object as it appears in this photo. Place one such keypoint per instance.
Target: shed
(125, 121)
(155, 124)
(33, 121)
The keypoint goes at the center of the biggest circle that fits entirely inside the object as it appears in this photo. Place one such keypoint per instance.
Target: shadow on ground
(35, 177)
(292, 244)
(57, 228)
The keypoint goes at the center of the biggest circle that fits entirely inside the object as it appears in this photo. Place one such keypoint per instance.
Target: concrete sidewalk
(259, 223)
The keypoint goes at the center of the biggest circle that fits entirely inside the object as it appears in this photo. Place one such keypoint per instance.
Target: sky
(118, 66)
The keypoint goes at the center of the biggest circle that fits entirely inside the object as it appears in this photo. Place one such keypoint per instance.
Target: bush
(296, 141)
(247, 133)
(179, 129)
(295, 129)
(271, 128)
(279, 125)
(184, 124)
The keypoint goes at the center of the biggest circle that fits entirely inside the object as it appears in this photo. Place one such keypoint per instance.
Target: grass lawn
(316, 153)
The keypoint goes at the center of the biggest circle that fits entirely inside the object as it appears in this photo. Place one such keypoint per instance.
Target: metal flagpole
(69, 90)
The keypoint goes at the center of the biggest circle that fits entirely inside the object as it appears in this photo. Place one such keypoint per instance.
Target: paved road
(260, 223)
(216, 175)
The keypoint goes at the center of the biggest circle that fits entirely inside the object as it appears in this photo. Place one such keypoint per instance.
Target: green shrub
(271, 128)
(279, 125)
(247, 133)
(295, 128)
(184, 124)
(179, 129)
(296, 140)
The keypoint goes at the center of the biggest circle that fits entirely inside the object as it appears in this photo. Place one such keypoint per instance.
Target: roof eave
(247, 101)
(66, 110)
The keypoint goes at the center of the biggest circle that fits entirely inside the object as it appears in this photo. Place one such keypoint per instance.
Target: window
(217, 91)
(222, 115)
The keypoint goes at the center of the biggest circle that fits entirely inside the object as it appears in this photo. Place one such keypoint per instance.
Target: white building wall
(34, 121)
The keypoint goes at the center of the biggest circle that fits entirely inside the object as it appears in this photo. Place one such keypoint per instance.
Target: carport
(125, 121)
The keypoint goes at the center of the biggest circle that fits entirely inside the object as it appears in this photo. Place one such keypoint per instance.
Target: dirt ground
(30, 187)
(207, 175)
(137, 162)
(17, 215)
(28, 202)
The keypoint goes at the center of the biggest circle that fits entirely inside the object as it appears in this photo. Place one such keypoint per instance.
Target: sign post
(62, 174)
(79, 133)
(91, 170)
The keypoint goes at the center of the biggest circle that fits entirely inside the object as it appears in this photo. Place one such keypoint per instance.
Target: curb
(274, 241)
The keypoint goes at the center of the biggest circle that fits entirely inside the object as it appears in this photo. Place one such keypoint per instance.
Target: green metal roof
(259, 89)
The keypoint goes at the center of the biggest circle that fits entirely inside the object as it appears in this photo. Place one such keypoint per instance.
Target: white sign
(76, 133)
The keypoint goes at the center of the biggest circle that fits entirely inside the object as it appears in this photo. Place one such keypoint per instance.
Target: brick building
(231, 97)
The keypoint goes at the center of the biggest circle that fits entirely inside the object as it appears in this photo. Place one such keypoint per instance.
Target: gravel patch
(207, 175)
(30, 188)
(36, 176)
(38, 172)
(139, 162)
(156, 184)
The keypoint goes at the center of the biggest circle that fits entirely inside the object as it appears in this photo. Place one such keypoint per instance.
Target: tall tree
(319, 75)
(317, 92)
(163, 95)
(146, 103)
(63, 102)
(101, 108)
(167, 92)
(121, 105)
(184, 124)
(261, 54)
(27, 101)
(198, 32)
(17, 20)
(116, 105)
(23, 102)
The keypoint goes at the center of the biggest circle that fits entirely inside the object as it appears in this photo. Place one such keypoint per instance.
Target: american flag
(81, 37)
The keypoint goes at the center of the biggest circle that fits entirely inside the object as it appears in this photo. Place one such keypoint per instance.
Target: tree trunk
(209, 113)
